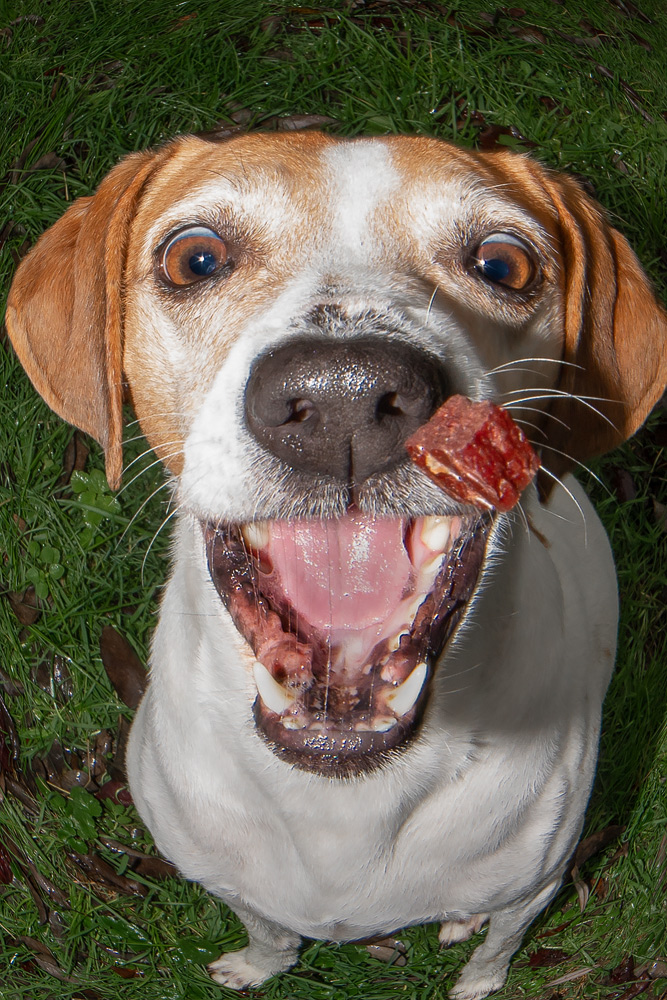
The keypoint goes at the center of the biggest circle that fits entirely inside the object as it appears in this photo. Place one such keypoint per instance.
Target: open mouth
(346, 619)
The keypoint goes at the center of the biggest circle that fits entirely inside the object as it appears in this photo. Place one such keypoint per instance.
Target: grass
(84, 83)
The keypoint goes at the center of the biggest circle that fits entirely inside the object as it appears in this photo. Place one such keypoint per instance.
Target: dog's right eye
(191, 255)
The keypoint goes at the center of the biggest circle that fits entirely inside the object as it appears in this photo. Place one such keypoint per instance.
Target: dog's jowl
(388, 699)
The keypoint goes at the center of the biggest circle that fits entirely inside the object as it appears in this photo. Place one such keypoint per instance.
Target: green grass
(90, 81)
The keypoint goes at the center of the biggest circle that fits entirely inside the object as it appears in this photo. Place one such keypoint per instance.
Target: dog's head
(286, 310)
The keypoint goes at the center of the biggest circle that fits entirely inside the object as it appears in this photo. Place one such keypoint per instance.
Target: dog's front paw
(475, 983)
(239, 969)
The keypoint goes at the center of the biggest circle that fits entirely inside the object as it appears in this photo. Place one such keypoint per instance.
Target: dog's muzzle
(346, 616)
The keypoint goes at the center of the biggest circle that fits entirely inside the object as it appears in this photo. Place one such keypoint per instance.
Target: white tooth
(435, 533)
(273, 694)
(432, 566)
(292, 722)
(414, 607)
(394, 643)
(384, 724)
(403, 698)
(256, 534)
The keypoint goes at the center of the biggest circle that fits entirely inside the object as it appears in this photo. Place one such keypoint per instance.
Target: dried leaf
(490, 137)
(147, 865)
(628, 8)
(581, 887)
(654, 970)
(623, 484)
(545, 958)
(100, 871)
(529, 33)
(116, 791)
(294, 123)
(623, 973)
(595, 843)
(8, 730)
(49, 161)
(26, 606)
(124, 668)
(74, 459)
(6, 874)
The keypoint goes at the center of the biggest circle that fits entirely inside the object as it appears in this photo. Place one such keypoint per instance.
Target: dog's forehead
(313, 186)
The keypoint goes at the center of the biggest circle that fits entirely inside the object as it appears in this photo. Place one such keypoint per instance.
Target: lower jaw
(316, 720)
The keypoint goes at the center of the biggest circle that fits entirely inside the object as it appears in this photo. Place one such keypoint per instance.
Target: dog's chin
(346, 619)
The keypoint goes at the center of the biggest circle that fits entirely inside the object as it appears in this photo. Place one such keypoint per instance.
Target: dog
(370, 705)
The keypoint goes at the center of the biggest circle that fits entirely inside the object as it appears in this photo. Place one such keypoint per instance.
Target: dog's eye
(192, 255)
(505, 260)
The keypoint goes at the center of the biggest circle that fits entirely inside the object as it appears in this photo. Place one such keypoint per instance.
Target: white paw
(474, 984)
(235, 971)
(453, 931)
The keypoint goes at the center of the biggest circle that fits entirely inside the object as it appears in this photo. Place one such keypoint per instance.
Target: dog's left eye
(192, 255)
(504, 260)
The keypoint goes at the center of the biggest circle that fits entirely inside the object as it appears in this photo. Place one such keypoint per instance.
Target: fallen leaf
(654, 970)
(623, 484)
(595, 843)
(9, 731)
(490, 137)
(628, 8)
(116, 791)
(6, 874)
(147, 865)
(545, 958)
(101, 872)
(623, 973)
(74, 458)
(26, 605)
(124, 668)
(294, 123)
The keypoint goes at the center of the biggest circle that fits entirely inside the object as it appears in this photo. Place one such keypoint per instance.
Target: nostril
(389, 406)
(397, 404)
(300, 410)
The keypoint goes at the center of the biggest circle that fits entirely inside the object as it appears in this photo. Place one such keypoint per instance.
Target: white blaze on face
(363, 177)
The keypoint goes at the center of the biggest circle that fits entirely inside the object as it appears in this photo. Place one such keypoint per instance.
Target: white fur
(481, 813)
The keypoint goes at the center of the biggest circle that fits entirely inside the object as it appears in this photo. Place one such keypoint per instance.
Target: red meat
(475, 452)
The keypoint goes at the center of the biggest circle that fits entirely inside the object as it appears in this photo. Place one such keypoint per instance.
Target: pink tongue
(344, 573)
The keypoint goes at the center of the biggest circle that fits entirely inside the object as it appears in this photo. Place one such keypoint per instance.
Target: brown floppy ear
(615, 335)
(65, 310)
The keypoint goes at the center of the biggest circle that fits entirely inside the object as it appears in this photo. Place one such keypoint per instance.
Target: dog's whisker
(529, 423)
(147, 451)
(536, 409)
(582, 465)
(558, 394)
(572, 497)
(561, 392)
(142, 472)
(430, 304)
(155, 536)
(521, 361)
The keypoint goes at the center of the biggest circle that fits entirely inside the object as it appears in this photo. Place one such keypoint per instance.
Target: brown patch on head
(215, 184)
(614, 331)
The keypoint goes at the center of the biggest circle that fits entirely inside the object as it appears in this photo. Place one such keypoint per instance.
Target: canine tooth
(256, 534)
(403, 698)
(383, 724)
(273, 694)
(435, 533)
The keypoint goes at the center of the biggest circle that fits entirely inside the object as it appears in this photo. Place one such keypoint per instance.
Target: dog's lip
(332, 698)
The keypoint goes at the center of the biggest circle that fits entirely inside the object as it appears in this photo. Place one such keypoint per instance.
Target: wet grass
(82, 83)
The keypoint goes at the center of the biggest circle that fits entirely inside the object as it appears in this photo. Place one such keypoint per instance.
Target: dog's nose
(342, 408)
